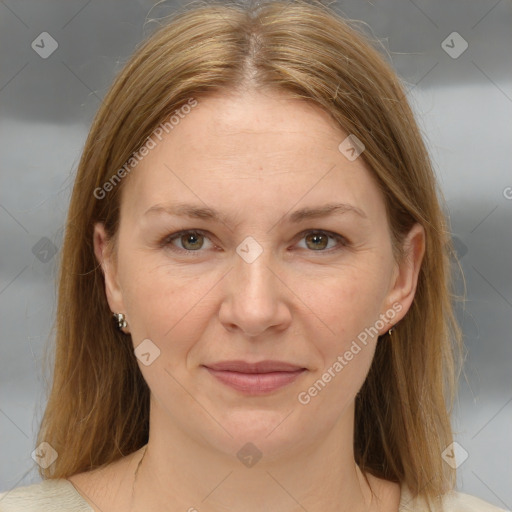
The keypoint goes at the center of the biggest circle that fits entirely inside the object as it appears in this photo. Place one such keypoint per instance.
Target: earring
(391, 330)
(121, 320)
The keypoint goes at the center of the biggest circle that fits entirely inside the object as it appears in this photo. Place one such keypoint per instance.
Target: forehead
(254, 150)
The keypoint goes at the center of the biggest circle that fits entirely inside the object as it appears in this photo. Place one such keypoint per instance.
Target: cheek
(345, 302)
(165, 303)
(347, 307)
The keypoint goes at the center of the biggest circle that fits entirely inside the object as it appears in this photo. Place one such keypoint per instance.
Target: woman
(256, 209)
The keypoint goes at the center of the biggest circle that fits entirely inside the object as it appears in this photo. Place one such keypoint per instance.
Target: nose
(255, 297)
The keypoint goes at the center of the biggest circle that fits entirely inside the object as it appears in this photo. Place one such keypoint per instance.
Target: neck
(188, 475)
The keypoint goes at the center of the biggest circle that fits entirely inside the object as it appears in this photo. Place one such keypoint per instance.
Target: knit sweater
(60, 495)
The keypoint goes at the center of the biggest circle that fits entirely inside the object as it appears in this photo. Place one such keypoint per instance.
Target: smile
(255, 378)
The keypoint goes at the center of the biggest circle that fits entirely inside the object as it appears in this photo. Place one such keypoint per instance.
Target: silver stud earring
(121, 320)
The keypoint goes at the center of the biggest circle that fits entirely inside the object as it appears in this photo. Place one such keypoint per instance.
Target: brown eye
(317, 241)
(322, 241)
(187, 241)
(192, 241)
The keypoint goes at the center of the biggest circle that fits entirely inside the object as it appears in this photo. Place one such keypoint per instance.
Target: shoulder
(460, 502)
(47, 496)
(452, 501)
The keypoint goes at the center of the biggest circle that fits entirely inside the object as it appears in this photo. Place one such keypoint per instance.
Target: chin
(269, 430)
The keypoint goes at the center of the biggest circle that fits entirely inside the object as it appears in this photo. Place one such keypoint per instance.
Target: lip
(255, 378)
(266, 366)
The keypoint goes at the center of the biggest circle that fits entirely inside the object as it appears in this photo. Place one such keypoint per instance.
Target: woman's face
(284, 256)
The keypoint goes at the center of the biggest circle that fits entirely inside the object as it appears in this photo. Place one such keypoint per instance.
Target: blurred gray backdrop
(57, 61)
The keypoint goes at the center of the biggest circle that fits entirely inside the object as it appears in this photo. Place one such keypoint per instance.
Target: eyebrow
(200, 212)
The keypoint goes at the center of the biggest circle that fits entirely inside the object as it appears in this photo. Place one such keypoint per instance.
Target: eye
(319, 241)
(191, 241)
(194, 240)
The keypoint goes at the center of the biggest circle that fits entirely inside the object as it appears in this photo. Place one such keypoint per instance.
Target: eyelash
(168, 239)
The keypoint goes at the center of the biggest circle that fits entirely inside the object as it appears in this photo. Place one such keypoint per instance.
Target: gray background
(464, 107)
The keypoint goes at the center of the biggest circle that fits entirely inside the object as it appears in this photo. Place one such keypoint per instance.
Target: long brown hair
(98, 406)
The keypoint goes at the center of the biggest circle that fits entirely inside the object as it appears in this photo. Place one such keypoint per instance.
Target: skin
(254, 157)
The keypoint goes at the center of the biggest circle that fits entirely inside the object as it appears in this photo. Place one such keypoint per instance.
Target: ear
(405, 276)
(103, 250)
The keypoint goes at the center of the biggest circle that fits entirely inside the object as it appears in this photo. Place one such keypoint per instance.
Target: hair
(98, 405)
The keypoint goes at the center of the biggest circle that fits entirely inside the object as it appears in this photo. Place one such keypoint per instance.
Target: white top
(60, 495)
